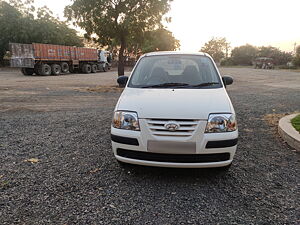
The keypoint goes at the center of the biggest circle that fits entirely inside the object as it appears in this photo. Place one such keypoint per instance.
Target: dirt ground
(57, 167)
(50, 93)
(73, 91)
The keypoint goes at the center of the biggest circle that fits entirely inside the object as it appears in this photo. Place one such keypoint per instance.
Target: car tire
(65, 68)
(27, 71)
(44, 69)
(94, 68)
(55, 69)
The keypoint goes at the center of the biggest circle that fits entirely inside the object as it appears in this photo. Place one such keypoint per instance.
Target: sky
(257, 22)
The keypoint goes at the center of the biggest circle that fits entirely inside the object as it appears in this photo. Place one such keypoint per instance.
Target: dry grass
(19, 108)
(102, 89)
(292, 70)
(273, 119)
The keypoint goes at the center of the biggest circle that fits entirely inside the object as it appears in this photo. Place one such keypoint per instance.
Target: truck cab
(105, 57)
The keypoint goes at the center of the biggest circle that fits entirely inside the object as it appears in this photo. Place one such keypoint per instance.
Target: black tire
(65, 68)
(55, 69)
(27, 71)
(72, 70)
(94, 68)
(36, 70)
(44, 69)
(87, 68)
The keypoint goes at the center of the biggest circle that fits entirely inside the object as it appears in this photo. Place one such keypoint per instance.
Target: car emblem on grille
(172, 126)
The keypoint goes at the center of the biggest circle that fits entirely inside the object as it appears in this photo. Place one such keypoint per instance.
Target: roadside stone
(288, 132)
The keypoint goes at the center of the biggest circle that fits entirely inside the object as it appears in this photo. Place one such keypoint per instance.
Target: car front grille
(186, 127)
(174, 158)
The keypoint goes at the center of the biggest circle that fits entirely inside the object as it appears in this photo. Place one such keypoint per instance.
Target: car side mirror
(122, 81)
(227, 80)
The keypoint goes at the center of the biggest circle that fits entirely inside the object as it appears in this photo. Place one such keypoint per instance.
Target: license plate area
(171, 147)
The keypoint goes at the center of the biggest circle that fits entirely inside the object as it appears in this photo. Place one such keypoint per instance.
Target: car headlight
(221, 123)
(126, 120)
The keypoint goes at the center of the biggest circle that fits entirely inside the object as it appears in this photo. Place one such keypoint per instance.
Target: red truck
(46, 59)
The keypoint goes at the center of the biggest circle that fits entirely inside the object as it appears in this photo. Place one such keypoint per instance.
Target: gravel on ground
(57, 167)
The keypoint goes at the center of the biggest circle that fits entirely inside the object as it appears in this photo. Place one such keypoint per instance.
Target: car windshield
(175, 71)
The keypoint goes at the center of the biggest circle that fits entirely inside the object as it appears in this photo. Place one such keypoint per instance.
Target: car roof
(174, 53)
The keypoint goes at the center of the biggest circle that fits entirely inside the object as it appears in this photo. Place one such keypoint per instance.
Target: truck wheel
(94, 68)
(65, 67)
(56, 69)
(105, 68)
(44, 70)
(87, 68)
(27, 71)
(72, 69)
(36, 69)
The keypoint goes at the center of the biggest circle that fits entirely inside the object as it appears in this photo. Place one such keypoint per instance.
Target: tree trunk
(121, 59)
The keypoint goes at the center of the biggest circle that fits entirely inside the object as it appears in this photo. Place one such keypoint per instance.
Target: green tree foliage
(159, 40)
(156, 40)
(296, 59)
(298, 50)
(21, 22)
(279, 57)
(216, 48)
(121, 21)
(244, 55)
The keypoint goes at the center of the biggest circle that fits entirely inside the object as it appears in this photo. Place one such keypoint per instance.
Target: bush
(244, 55)
(293, 67)
(279, 57)
(227, 62)
(296, 61)
(4, 63)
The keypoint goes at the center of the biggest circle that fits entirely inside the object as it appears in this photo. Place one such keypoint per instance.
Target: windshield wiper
(204, 84)
(166, 85)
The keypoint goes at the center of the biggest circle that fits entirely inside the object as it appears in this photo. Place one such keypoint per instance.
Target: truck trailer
(47, 59)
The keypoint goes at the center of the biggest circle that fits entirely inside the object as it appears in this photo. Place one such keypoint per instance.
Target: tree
(159, 40)
(122, 21)
(279, 57)
(216, 48)
(298, 50)
(296, 59)
(21, 22)
(244, 55)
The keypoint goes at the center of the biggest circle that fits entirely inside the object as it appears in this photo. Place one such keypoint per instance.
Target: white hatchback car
(175, 112)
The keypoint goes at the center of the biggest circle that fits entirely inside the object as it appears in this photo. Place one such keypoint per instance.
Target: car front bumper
(211, 149)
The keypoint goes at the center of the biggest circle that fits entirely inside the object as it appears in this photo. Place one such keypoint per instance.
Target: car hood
(175, 103)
